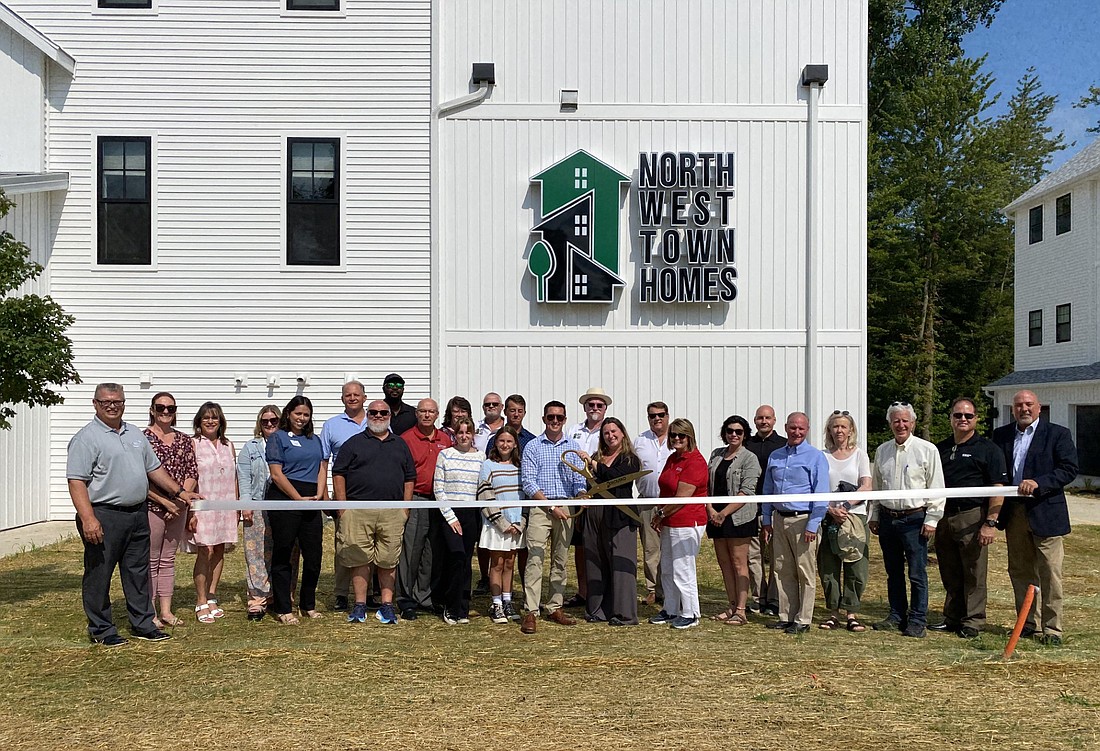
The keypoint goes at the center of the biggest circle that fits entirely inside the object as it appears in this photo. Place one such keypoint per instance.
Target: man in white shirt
(653, 450)
(586, 434)
(903, 525)
(493, 407)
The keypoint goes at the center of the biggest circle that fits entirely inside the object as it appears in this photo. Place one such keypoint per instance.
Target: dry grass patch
(328, 684)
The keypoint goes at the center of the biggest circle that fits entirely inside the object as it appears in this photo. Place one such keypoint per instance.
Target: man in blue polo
(109, 467)
(796, 468)
(337, 430)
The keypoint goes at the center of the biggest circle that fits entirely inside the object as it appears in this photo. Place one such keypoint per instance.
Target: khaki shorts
(369, 537)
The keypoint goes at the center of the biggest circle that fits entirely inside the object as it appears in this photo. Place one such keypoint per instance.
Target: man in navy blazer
(1043, 461)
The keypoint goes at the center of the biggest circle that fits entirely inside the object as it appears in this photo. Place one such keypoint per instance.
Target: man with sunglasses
(969, 525)
(334, 433)
(1043, 460)
(546, 478)
(903, 525)
(652, 448)
(587, 435)
(402, 415)
(762, 587)
(487, 427)
(109, 466)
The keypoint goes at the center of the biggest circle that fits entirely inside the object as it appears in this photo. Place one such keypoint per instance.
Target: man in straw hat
(586, 434)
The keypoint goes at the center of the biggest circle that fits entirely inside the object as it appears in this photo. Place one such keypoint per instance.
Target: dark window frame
(291, 5)
(1035, 225)
(1063, 214)
(1063, 329)
(304, 204)
(103, 245)
(124, 5)
(1035, 328)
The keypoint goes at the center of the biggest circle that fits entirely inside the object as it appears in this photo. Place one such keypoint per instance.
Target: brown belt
(899, 513)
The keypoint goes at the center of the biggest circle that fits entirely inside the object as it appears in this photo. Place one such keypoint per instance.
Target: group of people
(453, 484)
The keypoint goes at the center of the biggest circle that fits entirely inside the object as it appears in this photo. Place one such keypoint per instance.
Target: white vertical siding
(699, 75)
(219, 87)
(25, 449)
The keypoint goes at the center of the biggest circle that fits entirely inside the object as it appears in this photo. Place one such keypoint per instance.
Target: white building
(1057, 303)
(260, 193)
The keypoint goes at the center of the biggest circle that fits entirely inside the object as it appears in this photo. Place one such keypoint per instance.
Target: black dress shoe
(1027, 633)
(780, 625)
(114, 640)
(943, 627)
(966, 632)
(339, 603)
(154, 635)
(408, 614)
(796, 628)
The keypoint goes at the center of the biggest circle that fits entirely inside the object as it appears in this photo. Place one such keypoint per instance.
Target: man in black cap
(402, 415)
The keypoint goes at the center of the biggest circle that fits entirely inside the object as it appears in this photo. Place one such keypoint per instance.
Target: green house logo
(576, 258)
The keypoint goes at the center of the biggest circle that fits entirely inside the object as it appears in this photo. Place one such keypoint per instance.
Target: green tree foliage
(34, 351)
(940, 253)
(1091, 99)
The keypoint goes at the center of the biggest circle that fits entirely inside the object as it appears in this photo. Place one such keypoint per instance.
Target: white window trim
(151, 11)
(94, 229)
(284, 13)
(284, 165)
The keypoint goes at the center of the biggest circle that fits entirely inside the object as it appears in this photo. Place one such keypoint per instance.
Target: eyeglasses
(160, 409)
(841, 412)
(734, 431)
(269, 422)
(490, 405)
(393, 385)
(657, 415)
(110, 403)
(554, 418)
(963, 415)
(378, 412)
(678, 436)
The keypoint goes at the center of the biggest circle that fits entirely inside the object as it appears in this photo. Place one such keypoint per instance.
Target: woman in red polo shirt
(681, 526)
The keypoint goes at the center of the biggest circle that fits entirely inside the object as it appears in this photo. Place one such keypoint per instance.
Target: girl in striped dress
(502, 534)
(456, 475)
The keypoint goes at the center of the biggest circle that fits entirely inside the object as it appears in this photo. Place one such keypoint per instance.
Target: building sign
(685, 239)
(684, 215)
(576, 258)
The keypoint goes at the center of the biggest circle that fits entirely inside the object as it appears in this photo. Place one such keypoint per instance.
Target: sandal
(725, 615)
(170, 620)
(202, 613)
(737, 619)
(855, 625)
(830, 623)
(214, 609)
(287, 619)
(310, 614)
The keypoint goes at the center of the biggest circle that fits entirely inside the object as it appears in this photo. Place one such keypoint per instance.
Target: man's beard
(378, 428)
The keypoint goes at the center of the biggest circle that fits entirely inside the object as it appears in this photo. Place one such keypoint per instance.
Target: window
(1035, 328)
(313, 4)
(1062, 209)
(1062, 323)
(125, 3)
(124, 215)
(1088, 451)
(1035, 225)
(313, 202)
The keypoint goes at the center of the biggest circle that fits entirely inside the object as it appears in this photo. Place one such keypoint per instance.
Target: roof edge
(33, 182)
(45, 45)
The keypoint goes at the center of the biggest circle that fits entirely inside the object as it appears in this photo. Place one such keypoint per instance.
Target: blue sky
(1061, 39)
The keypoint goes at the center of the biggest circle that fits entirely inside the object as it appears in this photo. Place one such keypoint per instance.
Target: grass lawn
(327, 684)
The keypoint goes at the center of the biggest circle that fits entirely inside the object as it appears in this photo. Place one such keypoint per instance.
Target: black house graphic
(574, 275)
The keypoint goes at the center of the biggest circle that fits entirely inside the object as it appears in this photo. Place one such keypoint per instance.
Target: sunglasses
(657, 415)
(270, 422)
(490, 405)
(554, 418)
(394, 385)
(842, 412)
(900, 404)
(963, 415)
(595, 405)
(734, 431)
(678, 436)
(378, 412)
(110, 403)
(161, 409)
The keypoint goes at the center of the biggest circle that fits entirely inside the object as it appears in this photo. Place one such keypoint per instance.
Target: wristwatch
(990, 522)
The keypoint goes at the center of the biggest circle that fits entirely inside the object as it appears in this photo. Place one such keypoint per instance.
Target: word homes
(684, 212)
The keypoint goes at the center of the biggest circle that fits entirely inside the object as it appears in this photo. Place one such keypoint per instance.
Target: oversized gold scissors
(601, 488)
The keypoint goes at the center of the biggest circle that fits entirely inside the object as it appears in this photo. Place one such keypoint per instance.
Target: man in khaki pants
(796, 468)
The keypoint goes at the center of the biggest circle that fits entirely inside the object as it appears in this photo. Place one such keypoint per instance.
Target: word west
(684, 211)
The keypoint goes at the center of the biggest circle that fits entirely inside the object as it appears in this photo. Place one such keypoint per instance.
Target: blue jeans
(902, 545)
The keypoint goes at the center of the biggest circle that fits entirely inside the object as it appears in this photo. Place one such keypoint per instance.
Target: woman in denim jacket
(253, 478)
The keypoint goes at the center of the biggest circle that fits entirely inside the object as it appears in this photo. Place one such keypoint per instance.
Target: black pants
(126, 545)
(288, 528)
(455, 576)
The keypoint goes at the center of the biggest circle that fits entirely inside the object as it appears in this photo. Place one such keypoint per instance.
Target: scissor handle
(582, 469)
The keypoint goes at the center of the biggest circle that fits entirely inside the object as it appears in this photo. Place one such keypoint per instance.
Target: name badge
(295, 443)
